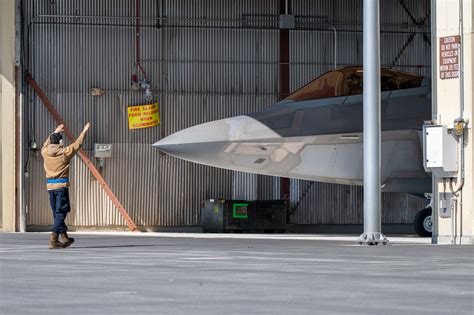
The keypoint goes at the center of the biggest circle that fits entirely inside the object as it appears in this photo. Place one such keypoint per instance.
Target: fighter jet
(316, 133)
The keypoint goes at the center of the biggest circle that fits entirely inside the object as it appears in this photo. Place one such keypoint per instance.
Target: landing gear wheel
(423, 223)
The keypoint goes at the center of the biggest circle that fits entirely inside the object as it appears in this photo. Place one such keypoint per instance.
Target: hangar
(200, 61)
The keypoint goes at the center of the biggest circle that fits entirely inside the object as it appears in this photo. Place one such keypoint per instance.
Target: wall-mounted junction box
(446, 205)
(102, 150)
(440, 151)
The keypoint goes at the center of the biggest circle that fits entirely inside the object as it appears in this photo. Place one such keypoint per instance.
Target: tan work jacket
(56, 160)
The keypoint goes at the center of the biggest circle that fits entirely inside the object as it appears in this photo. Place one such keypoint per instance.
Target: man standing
(56, 165)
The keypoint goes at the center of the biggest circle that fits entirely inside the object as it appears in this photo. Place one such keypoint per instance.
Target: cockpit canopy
(348, 81)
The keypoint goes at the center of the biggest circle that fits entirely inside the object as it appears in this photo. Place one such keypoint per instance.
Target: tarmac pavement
(156, 273)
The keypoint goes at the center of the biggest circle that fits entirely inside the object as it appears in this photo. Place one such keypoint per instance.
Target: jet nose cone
(238, 128)
(190, 140)
(204, 142)
(162, 146)
(187, 151)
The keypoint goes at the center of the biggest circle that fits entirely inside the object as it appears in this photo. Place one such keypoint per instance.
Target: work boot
(66, 239)
(54, 242)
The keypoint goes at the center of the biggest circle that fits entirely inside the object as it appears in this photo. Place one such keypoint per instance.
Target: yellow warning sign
(143, 116)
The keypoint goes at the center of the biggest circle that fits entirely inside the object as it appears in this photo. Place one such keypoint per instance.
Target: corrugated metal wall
(323, 203)
(206, 60)
(312, 52)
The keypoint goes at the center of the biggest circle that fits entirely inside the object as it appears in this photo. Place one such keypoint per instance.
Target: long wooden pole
(87, 161)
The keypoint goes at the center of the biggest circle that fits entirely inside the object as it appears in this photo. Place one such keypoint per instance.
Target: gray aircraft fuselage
(315, 139)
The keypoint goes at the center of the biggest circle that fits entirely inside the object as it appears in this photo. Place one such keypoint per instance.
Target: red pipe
(284, 86)
(137, 40)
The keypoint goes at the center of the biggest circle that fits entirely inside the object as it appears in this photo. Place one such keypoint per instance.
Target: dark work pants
(59, 200)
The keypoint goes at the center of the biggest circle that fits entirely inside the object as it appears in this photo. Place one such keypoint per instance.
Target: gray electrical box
(102, 150)
(440, 151)
(446, 205)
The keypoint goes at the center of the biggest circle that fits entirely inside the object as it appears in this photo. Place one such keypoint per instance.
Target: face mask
(61, 142)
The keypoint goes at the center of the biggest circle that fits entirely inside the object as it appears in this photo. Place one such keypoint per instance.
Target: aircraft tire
(423, 223)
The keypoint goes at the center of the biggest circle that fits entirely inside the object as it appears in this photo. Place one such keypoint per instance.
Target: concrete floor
(152, 274)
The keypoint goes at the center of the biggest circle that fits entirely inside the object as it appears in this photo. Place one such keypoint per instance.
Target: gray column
(372, 124)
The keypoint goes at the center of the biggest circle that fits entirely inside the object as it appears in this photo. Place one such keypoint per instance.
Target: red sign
(449, 57)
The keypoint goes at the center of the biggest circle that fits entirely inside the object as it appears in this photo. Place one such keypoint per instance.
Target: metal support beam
(131, 225)
(284, 83)
(20, 124)
(18, 214)
(372, 126)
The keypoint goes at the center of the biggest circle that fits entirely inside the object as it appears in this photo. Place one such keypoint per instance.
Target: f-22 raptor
(316, 134)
